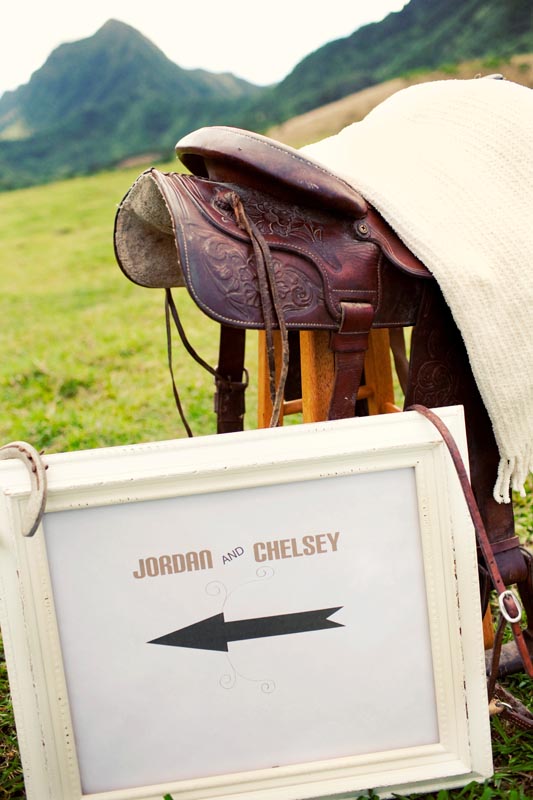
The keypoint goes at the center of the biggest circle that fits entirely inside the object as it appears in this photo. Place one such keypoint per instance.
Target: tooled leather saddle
(263, 237)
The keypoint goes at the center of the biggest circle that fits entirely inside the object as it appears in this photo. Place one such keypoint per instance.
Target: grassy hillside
(331, 118)
(424, 35)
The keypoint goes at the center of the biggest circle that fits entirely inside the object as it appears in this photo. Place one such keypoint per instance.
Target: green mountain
(115, 95)
(100, 100)
(424, 35)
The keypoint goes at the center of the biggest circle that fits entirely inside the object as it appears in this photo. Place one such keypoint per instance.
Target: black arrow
(214, 633)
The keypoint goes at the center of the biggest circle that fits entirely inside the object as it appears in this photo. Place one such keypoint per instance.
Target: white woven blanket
(449, 164)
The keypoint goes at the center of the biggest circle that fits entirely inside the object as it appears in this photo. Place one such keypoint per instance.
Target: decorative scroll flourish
(436, 378)
(229, 679)
(274, 217)
(231, 266)
(216, 588)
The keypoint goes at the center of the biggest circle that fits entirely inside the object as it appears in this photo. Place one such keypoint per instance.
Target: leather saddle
(265, 238)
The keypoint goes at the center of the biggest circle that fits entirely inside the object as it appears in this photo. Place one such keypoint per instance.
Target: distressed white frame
(255, 458)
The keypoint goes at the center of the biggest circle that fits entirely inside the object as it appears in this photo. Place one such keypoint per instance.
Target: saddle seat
(233, 155)
(236, 156)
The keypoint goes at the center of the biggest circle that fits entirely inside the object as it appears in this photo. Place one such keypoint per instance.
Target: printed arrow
(214, 633)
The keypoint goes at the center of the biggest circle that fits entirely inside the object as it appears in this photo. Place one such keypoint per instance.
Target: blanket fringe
(512, 474)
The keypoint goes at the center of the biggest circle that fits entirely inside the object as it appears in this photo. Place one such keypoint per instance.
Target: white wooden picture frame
(331, 569)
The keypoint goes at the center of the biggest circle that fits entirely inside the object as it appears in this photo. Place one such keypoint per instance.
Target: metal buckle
(505, 614)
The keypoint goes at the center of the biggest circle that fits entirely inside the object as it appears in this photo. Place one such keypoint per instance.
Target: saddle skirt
(175, 230)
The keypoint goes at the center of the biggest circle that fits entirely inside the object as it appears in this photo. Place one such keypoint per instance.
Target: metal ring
(505, 613)
(501, 704)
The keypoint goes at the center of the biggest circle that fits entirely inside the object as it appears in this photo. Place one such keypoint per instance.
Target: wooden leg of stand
(264, 402)
(317, 373)
(488, 629)
(378, 374)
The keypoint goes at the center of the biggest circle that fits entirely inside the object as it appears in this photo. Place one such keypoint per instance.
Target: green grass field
(84, 350)
(84, 365)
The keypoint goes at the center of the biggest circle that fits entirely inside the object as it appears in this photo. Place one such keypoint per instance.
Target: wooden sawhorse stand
(316, 374)
(317, 371)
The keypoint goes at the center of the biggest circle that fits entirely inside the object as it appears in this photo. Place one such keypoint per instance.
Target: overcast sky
(261, 42)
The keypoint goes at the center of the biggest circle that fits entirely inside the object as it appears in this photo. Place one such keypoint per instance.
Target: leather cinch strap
(349, 345)
(510, 609)
(230, 386)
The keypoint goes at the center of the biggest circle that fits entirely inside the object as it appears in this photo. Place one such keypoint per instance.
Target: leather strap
(509, 708)
(505, 544)
(230, 386)
(349, 345)
(172, 311)
(271, 304)
(169, 304)
(506, 706)
(508, 603)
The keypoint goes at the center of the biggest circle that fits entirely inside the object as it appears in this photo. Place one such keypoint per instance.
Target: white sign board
(272, 614)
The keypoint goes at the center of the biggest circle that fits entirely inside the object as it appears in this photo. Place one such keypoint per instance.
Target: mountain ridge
(104, 63)
(425, 34)
(115, 95)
